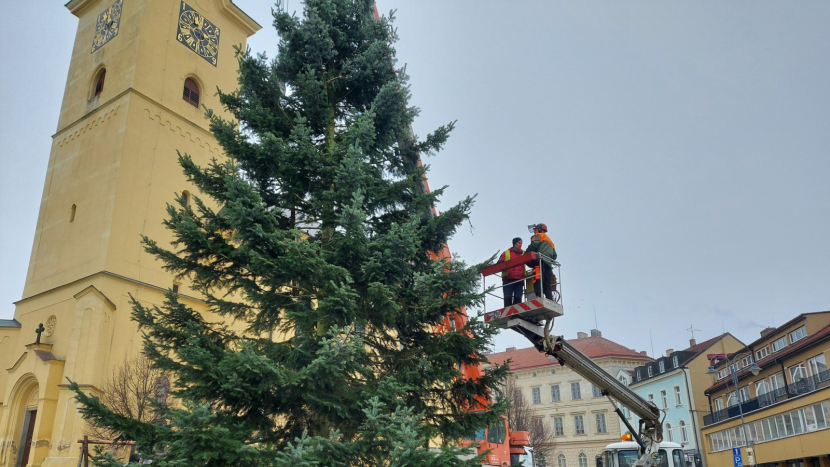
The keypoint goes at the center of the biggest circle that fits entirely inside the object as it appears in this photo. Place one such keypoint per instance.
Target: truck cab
(625, 454)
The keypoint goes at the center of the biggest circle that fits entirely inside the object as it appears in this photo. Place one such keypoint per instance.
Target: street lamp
(754, 369)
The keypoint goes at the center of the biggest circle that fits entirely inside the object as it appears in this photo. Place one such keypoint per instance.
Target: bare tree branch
(521, 416)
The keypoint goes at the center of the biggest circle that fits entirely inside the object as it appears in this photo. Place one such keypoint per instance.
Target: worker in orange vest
(542, 244)
(512, 279)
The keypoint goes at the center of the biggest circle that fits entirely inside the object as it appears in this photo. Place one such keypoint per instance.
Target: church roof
(593, 347)
(9, 323)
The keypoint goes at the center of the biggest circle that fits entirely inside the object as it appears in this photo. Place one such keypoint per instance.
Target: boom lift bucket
(534, 310)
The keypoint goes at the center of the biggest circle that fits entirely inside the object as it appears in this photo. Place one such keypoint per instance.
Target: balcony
(804, 386)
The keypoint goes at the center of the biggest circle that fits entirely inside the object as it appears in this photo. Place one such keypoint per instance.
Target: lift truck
(534, 320)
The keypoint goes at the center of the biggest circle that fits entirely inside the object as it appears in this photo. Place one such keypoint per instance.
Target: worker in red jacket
(513, 279)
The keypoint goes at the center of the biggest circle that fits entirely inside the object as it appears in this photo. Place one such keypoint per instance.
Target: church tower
(141, 70)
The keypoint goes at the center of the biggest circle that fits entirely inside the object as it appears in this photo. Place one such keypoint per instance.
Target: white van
(625, 454)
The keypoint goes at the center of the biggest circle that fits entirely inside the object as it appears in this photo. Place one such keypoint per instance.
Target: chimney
(581, 335)
(669, 352)
(692, 342)
(766, 331)
(510, 349)
(643, 352)
(595, 333)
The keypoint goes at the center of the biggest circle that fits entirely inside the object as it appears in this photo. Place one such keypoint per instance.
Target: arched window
(72, 213)
(669, 435)
(561, 462)
(186, 196)
(684, 434)
(99, 82)
(191, 92)
(583, 460)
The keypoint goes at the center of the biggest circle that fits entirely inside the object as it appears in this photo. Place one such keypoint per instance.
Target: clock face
(198, 34)
(107, 25)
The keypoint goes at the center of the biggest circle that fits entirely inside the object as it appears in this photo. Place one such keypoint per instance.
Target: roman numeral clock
(198, 34)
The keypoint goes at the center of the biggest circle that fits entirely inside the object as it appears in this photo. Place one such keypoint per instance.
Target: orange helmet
(540, 227)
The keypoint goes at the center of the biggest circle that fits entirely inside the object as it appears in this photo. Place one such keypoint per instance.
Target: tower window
(99, 82)
(191, 92)
(175, 287)
(72, 213)
(186, 196)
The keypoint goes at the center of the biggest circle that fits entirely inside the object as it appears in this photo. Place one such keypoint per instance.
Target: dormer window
(674, 362)
(191, 92)
(662, 366)
(649, 371)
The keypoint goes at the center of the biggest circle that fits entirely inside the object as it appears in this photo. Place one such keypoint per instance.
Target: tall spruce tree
(323, 236)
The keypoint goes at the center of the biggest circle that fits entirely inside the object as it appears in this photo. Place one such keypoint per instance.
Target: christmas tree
(312, 239)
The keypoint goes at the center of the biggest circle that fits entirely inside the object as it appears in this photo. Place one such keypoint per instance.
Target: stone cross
(39, 331)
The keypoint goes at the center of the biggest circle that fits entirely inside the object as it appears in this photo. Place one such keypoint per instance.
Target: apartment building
(675, 383)
(583, 422)
(782, 393)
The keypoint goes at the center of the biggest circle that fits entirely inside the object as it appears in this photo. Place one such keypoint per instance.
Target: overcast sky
(678, 151)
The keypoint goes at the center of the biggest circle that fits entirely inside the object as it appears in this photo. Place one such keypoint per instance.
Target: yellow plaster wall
(114, 157)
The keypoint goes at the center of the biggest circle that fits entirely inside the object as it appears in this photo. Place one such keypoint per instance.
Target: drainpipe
(692, 412)
(784, 374)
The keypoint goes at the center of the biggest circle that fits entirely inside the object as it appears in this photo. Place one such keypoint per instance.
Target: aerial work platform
(534, 309)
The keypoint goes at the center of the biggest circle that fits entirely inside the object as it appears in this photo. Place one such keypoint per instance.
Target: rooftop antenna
(652, 343)
(596, 326)
(692, 330)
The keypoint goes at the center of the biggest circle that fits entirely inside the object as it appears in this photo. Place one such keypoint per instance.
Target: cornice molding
(238, 17)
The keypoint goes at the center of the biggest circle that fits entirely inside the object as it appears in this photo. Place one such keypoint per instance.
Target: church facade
(140, 72)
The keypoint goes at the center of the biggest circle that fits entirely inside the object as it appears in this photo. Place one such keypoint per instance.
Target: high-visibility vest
(506, 259)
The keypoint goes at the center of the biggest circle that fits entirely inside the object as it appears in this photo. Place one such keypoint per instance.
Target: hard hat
(542, 227)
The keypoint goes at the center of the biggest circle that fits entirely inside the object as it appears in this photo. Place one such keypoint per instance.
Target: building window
(561, 462)
(579, 426)
(662, 366)
(669, 433)
(732, 399)
(761, 353)
(664, 399)
(99, 82)
(175, 287)
(776, 381)
(191, 92)
(623, 380)
(744, 393)
(601, 423)
(797, 372)
(818, 367)
(583, 460)
(638, 375)
(518, 398)
(533, 375)
(761, 388)
(718, 404)
(536, 394)
(684, 433)
(678, 401)
(723, 373)
(626, 412)
(651, 399)
(575, 392)
(186, 196)
(779, 344)
(674, 362)
(734, 366)
(746, 361)
(558, 427)
(649, 371)
(72, 213)
(798, 334)
(554, 393)
(553, 372)
(597, 392)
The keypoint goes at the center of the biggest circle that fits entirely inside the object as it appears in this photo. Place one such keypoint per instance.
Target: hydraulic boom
(536, 324)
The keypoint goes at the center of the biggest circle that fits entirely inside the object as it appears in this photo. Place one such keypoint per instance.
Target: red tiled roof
(592, 347)
(817, 336)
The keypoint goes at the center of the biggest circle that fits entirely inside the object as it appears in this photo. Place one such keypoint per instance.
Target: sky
(678, 151)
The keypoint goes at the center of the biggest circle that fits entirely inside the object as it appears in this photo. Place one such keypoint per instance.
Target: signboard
(736, 457)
